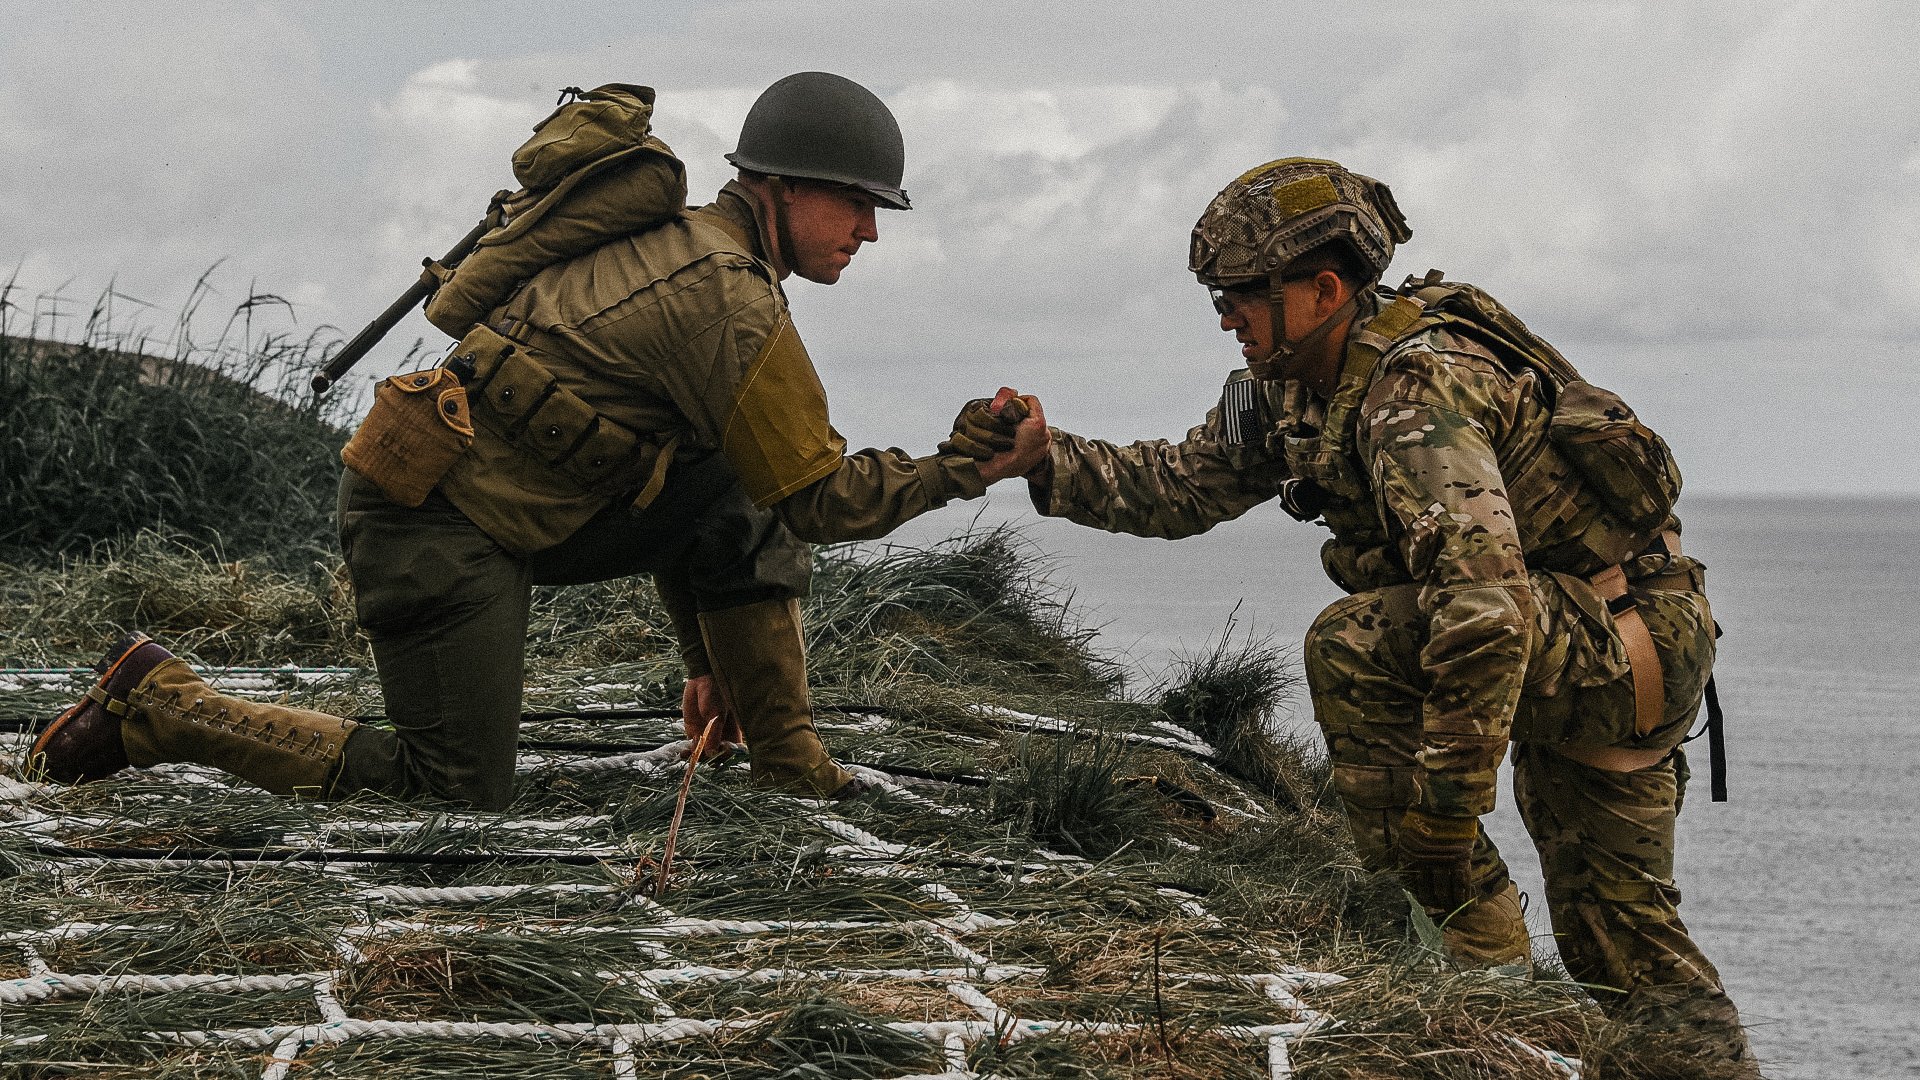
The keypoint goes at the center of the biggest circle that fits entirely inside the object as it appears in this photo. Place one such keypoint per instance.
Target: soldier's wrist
(950, 476)
(696, 664)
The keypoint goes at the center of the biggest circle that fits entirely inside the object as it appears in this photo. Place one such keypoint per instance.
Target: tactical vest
(1628, 480)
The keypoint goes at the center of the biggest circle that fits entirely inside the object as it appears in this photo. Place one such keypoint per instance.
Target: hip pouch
(418, 427)
(1621, 459)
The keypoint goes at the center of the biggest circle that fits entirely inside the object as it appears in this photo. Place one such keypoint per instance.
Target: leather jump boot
(149, 707)
(760, 664)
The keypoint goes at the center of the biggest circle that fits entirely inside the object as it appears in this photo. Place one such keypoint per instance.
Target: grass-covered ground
(1149, 866)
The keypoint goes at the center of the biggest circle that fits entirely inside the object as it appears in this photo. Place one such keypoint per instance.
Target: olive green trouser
(1605, 838)
(446, 610)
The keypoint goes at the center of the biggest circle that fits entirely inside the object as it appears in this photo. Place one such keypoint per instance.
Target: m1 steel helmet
(818, 126)
(1273, 214)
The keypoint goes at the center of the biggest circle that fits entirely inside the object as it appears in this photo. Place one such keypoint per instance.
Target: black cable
(27, 723)
(306, 855)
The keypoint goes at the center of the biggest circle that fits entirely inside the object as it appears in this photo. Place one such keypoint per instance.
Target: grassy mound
(214, 441)
(958, 661)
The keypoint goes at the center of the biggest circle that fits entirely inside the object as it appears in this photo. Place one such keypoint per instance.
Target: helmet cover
(1271, 215)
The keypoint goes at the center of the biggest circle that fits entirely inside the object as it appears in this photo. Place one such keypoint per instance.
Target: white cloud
(1645, 182)
(442, 151)
(1639, 180)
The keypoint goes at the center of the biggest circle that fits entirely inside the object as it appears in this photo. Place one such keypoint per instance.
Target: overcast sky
(1713, 208)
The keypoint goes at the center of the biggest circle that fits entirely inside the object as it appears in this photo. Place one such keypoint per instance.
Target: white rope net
(905, 907)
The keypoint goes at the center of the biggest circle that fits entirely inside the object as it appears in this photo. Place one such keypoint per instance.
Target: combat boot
(149, 707)
(760, 664)
(1490, 932)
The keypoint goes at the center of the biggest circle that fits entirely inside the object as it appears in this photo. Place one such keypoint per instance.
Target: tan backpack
(593, 171)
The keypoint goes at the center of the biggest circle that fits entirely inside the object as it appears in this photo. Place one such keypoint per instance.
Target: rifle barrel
(370, 335)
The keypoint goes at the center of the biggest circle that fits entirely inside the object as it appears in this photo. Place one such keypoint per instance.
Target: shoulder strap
(1484, 318)
(1365, 347)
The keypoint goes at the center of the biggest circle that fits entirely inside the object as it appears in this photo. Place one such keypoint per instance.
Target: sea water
(1803, 887)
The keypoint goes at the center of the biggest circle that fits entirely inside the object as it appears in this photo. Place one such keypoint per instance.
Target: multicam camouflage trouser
(1605, 838)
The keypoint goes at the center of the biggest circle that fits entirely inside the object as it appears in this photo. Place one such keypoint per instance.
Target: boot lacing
(224, 721)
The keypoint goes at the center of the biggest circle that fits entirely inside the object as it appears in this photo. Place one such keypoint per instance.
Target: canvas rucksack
(591, 172)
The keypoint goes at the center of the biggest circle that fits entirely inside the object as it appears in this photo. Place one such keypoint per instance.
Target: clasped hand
(1007, 435)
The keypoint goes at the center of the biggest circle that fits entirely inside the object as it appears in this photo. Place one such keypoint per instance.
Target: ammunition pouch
(418, 427)
(516, 397)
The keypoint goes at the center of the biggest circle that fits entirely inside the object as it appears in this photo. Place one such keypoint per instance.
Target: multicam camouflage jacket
(1452, 485)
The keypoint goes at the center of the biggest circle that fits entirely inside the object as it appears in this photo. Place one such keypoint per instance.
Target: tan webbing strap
(1365, 346)
(1649, 698)
(1381, 332)
(658, 478)
(1614, 758)
(114, 705)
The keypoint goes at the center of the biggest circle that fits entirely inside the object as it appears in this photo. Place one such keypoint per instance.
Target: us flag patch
(1240, 411)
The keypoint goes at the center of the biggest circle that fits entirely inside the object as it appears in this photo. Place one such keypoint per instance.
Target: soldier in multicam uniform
(644, 408)
(1467, 543)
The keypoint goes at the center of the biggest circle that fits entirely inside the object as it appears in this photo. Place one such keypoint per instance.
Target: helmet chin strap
(779, 231)
(1279, 363)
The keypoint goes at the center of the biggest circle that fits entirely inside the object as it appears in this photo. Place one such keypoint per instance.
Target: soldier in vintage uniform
(1490, 587)
(647, 407)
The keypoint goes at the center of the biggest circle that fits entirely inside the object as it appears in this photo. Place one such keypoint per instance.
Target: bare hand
(1031, 440)
(699, 703)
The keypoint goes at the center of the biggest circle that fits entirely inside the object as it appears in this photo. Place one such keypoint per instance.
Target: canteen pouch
(1623, 461)
(418, 427)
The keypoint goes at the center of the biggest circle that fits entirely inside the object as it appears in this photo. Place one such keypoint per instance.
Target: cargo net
(175, 923)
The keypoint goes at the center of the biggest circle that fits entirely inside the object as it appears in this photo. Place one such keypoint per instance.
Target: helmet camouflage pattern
(1273, 214)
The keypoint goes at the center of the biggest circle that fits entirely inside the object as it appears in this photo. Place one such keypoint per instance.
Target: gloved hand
(700, 702)
(1434, 853)
(985, 428)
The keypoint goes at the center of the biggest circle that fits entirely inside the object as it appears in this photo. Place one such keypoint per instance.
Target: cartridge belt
(555, 424)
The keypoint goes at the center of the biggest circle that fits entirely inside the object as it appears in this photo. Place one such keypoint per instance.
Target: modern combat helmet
(818, 126)
(1273, 214)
